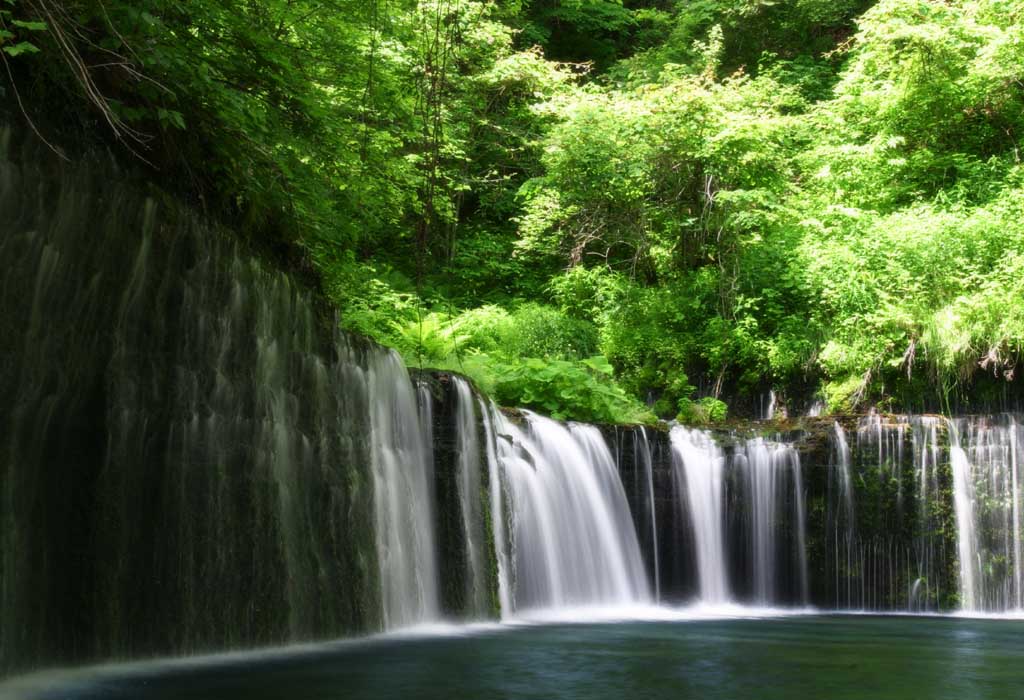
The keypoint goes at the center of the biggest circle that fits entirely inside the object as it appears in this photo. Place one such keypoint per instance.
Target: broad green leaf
(31, 26)
(21, 47)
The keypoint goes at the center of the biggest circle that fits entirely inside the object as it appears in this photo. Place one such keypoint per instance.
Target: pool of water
(768, 658)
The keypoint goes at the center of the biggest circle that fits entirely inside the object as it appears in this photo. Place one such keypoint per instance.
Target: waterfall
(633, 449)
(843, 465)
(985, 458)
(648, 464)
(888, 436)
(767, 466)
(1018, 573)
(762, 475)
(925, 442)
(887, 565)
(979, 467)
(469, 469)
(403, 495)
(768, 407)
(842, 521)
(499, 525)
(699, 464)
(963, 501)
(181, 412)
(572, 534)
(801, 527)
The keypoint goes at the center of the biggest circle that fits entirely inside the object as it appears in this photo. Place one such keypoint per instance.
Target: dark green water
(834, 657)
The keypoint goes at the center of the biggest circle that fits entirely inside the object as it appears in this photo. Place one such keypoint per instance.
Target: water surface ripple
(783, 658)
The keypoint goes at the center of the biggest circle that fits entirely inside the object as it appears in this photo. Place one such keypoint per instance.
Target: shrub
(582, 390)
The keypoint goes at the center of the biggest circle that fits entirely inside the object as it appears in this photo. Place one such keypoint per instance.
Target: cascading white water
(768, 411)
(925, 442)
(985, 458)
(572, 536)
(766, 465)
(499, 525)
(699, 464)
(801, 526)
(403, 495)
(648, 462)
(963, 502)
(843, 522)
(469, 469)
(843, 465)
(762, 477)
(801, 506)
(816, 409)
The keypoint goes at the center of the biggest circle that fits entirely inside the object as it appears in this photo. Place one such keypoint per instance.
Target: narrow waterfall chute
(842, 523)
(843, 467)
(699, 465)
(648, 464)
(499, 524)
(403, 496)
(925, 446)
(963, 501)
(1015, 457)
(769, 467)
(801, 527)
(469, 468)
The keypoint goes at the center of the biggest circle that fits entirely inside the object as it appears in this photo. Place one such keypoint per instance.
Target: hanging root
(68, 35)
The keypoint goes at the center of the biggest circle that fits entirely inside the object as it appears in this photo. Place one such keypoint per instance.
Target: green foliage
(428, 339)
(770, 229)
(740, 32)
(581, 390)
(534, 356)
(703, 411)
(542, 331)
(16, 35)
(717, 196)
(373, 301)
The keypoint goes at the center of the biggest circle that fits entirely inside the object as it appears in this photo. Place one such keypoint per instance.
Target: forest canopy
(603, 209)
